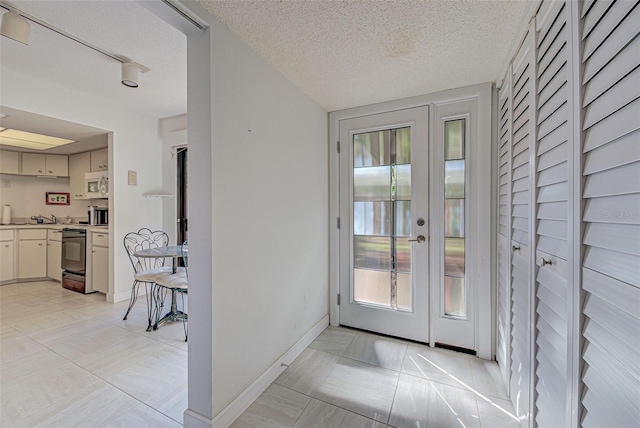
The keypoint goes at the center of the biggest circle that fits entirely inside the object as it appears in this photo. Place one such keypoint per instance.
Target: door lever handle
(420, 239)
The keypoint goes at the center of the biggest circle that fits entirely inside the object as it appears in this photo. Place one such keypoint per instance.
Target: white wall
(266, 205)
(135, 146)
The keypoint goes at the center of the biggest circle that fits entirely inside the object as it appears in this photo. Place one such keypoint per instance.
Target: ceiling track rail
(180, 10)
(62, 32)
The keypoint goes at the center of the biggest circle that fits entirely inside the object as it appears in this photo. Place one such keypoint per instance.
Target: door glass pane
(372, 218)
(403, 255)
(454, 218)
(453, 292)
(372, 184)
(381, 213)
(403, 180)
(454, 179)
(403, 146)
(372, 252)
(454, 297)
(454, 257)
(403, 218)
(372, 149)
(372, 286)
(404, 291)
(454, 139)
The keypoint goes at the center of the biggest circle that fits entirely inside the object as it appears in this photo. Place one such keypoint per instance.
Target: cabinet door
(9, 162)
(32, 259)
(99, 160)
(6, 261)
(57, 165)
(79, 165)
(33, 164)
(100, 268)
(54, 260)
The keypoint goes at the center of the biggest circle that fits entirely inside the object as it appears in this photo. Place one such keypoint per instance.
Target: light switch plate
(133, 178)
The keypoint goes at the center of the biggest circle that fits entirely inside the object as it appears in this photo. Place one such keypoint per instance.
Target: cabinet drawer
(54, 235)
(24, 234)
(6, 235)
(101, 239)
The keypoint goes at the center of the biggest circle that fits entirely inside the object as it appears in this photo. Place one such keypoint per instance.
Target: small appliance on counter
(97, 216)
(6, 214)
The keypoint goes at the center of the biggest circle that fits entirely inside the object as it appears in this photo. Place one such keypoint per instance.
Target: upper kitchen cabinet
(100, 160)
(38, 164)
(79, 165)
(9, 162)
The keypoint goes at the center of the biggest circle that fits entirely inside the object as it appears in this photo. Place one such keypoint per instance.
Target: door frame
(482, 243)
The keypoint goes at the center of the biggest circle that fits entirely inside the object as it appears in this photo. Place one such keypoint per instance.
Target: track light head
(15, 27)
(130, 74)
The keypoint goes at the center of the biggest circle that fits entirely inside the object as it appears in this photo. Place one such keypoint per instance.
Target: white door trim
(482, 134)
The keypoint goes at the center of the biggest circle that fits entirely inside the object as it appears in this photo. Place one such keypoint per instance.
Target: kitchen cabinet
(7, 272)
(100, 262)
(32, 253)
(9, 162)
(39, 164)
(54, 254)
(79, 165)
(100, 160)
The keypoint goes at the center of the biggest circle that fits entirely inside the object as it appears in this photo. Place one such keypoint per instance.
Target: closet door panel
(611, 200)
(552, 222)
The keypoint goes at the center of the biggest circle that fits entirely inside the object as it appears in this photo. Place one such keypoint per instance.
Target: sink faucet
(40, 217)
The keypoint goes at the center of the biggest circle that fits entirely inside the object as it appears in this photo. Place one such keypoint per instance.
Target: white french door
(384, 232)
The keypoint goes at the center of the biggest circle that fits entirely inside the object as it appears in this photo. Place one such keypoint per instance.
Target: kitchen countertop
(56, 226)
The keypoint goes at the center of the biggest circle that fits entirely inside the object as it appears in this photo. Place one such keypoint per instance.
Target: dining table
(174, 252)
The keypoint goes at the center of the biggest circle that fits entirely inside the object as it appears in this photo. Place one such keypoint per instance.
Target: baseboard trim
(192, 419)
(230, 413)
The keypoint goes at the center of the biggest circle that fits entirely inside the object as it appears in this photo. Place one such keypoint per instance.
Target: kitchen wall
(258, 188)
(26, 195)
(134, 144)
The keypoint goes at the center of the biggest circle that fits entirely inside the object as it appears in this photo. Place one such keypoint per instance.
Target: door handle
(420, 239)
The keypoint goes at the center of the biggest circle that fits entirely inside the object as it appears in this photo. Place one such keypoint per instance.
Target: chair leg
(134, 297)
(184, 320)
(150, 304)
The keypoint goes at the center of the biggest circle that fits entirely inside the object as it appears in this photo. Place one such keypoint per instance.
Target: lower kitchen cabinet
(7, 259)
(54, 254)
(100, 262)
(32, 258)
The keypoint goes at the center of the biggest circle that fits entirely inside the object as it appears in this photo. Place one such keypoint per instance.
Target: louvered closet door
(551, 310)
(611, 263)
(503, 351)
(520, 230)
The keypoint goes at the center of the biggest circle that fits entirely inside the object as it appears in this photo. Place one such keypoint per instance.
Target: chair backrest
(143, 240)
(185, 257)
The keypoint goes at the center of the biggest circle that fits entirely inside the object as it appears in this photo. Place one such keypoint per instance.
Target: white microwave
(96, 185)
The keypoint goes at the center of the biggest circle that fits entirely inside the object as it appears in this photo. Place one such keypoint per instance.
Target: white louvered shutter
(611, 196)
(521, 76)
(552, 225)
(503, 351)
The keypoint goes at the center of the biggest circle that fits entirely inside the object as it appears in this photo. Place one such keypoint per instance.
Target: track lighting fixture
(130, 74)
(15, 27)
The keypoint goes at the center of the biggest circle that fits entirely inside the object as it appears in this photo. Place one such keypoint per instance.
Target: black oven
(74, 250)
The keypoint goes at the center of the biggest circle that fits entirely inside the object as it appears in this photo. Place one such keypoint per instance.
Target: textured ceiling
(340, 53)
(350, 53)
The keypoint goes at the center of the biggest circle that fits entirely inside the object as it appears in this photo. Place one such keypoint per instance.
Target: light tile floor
(68, 359)
(347, 378)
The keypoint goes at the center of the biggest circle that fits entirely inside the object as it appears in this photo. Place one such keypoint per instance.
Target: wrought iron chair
(145, 270)
(177, 283)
